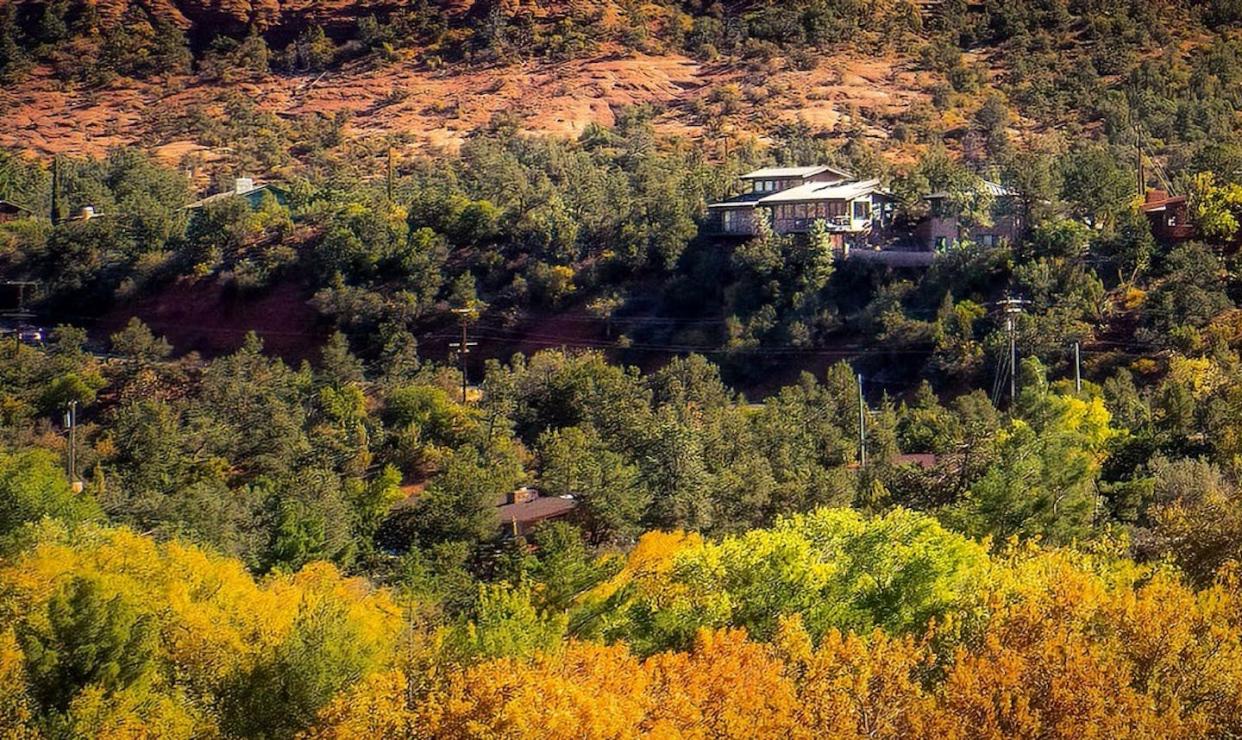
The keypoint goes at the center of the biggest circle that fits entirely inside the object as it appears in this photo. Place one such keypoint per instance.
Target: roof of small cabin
(230, 193)
(10, 207)
(994, 189)
(535, 510)
(779, 172)
(924, 460)
(1159, 200)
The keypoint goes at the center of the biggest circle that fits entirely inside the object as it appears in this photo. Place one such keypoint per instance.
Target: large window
(862, 210)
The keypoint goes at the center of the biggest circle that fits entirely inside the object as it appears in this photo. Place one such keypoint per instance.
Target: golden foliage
(1054, 643)
(15, 714)
(214, 622)
(1060, 645)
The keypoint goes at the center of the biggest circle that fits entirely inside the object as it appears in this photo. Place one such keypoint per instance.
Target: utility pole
(1011, 308)
(862, 425)
(463, 347)
(391, 178)
(1077, 368)
(71, 423)
(55, 211)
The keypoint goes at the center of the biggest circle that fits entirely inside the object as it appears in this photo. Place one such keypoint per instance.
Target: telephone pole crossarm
(1011, 308)
(463, 347)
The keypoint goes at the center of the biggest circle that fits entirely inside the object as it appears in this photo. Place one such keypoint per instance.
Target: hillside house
(1169, 216)
(12, 212)
(524, 509)
(243, 187)
(944, 226)
(794, 198)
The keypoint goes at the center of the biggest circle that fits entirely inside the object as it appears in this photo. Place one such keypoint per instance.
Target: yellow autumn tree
(218, 639)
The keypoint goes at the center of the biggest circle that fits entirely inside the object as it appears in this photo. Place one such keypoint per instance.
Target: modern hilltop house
(796, 197)
(859, 214)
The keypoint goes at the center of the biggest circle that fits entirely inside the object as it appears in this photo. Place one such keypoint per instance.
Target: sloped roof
(814, 191)
(740, 201)
(809, 192)
(1158, 201)
(231, 193)
(535, 510)
(783, 172)
(994, 189)
(10, 207)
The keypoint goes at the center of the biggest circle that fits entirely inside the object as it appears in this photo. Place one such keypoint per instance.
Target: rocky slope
(440, 108)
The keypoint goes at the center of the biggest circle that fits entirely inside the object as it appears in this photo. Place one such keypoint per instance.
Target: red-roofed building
(1169, 216)
(526, 509)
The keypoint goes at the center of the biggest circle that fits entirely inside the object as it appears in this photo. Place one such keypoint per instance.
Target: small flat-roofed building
(525, 509)
(1169, 216)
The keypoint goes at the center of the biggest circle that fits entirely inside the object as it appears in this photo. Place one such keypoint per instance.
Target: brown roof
(924, 460)
(1157, 200)
(526, 515)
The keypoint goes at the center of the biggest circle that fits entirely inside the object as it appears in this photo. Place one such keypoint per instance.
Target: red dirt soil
(440, 109)
(205, 317)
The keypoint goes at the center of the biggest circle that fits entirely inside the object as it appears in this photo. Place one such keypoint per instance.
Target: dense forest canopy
(793, 491)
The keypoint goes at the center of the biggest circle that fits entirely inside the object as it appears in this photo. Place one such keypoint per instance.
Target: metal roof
(993, 189)
(809, 192)
(779, 172)
(815, 191)
(271, 187)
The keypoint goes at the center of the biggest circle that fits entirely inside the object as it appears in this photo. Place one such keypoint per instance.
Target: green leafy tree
(611, 493)
(1095, 184)
(460, 503)
(33, 485)
(506, 623)
(1042, 482)
(93, 637)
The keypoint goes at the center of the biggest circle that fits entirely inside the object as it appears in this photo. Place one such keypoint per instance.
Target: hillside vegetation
(792, 492)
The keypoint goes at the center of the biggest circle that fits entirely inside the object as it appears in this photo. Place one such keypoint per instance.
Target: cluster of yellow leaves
(15, 711)
(214, 621)
(1052, 644)
(1063, 645)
